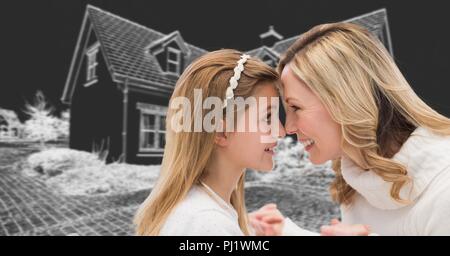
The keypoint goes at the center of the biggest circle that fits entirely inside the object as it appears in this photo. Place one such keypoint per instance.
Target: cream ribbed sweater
(427, 159)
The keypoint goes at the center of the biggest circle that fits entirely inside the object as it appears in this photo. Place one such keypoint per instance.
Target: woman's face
(307, 117)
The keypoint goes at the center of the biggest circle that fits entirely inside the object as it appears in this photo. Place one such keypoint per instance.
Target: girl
(200, 190)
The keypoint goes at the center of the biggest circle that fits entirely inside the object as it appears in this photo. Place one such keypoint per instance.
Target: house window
(173, 60)
(152, 127)
(92, 62)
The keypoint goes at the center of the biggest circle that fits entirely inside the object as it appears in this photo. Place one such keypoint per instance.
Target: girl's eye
(269, 115)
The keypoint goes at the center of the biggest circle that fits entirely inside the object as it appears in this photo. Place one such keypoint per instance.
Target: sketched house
(120, 80)
(122, 75)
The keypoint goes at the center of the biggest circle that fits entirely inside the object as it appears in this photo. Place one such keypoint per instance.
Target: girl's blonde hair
(186, 154)
(364, 91)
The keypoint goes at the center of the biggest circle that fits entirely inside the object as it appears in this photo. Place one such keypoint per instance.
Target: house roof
(374, 21)
(264, 50)
(124, 43)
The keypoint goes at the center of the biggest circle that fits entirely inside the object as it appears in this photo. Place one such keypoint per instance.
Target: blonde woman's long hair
(186, 154)
(364, 91)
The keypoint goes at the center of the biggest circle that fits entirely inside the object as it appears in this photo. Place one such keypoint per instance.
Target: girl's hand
(267, 221)
(336, 228)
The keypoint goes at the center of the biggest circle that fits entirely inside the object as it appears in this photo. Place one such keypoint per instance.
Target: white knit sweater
(202, 213)
(427, 159)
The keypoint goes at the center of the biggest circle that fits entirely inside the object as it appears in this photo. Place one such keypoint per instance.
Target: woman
(347, 101)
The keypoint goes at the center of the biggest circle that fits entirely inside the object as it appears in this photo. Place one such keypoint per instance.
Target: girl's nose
(282, 131)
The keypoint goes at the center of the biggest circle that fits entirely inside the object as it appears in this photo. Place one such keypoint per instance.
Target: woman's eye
(294, 108)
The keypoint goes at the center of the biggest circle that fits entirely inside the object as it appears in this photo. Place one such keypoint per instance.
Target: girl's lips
(270, 149)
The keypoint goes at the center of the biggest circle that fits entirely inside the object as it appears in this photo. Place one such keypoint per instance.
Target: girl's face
(253, 149)
(308, 118)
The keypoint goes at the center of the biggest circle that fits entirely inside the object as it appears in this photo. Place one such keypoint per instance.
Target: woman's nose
(290, 124)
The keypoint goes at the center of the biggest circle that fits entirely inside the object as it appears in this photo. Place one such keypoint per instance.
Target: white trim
(151, 154)
(366, 15)
(166, 40)
(151, 108)
(388, 32)
(93, 81)
(160, 50)
(141, 80)
(93, 47)
(125, 121)
(74, 58)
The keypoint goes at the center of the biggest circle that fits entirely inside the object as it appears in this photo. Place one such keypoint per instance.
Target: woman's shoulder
(425, 153)
(433, 208)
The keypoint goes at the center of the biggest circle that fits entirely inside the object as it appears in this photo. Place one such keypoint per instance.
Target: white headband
(235, 78)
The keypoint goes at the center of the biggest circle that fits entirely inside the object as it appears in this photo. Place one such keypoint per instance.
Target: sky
(38, 37)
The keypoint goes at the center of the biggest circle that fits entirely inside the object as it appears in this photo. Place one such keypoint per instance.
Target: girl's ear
(221, 138)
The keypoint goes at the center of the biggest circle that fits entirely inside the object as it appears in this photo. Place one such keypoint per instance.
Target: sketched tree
(42, 125)
(62, 125)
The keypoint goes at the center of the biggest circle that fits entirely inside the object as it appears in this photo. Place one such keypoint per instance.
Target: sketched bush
(42, 125)
(55, 161)
(115, 178)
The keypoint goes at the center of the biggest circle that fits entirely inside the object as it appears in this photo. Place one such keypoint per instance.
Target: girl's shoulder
(199, 214)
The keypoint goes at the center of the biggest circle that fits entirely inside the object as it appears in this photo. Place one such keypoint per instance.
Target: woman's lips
(307, 143)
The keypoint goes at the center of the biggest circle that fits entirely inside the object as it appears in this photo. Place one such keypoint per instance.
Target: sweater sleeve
(291, 229)
(435, 219)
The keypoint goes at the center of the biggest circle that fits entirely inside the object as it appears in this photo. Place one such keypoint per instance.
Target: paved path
(28, 207)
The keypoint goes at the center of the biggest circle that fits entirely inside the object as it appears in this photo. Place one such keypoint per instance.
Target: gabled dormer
(269, 56)
(170, 52)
